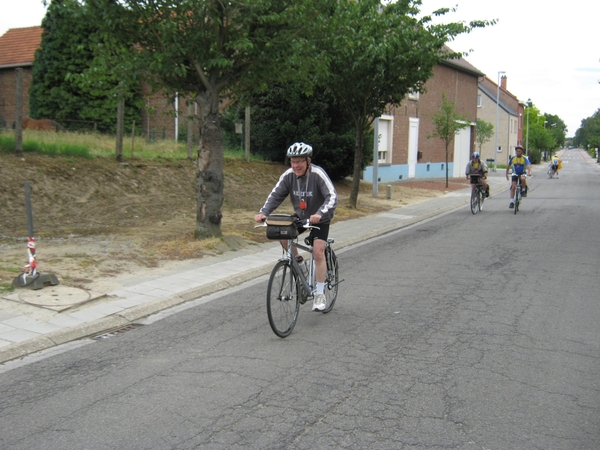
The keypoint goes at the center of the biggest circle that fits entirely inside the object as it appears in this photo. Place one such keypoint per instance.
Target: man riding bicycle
(313, 197)
(477, 169)
(518, 164)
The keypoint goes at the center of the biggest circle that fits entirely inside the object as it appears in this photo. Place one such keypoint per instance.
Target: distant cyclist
(519, 165)
(476, 168)
(555, 165)
(313, 197)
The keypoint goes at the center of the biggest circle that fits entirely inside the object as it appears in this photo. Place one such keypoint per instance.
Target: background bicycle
(477, 195)
(292, 282)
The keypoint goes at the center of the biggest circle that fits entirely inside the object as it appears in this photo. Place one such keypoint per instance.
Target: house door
(462, 150)
(413, 146)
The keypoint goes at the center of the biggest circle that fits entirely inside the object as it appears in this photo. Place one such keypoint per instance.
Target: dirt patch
(99, 219)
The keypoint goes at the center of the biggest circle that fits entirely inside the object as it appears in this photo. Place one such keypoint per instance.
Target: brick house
(510, 118)
(404, 149)
(17, 50)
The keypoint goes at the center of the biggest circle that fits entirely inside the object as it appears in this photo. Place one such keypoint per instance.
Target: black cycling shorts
(321, 233)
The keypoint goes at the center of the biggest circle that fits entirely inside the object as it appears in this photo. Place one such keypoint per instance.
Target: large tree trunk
(210, 177)
(358, 156)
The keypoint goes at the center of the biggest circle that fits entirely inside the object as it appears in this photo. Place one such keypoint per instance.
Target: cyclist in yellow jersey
(555, 165)
(518, 164)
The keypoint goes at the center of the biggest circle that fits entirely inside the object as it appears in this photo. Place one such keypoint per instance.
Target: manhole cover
(55, 296)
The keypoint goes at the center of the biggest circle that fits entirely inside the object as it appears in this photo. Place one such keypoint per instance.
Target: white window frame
(384, 148)
(479, 102)
(413, 95)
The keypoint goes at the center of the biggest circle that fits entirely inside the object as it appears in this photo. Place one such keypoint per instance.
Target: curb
(136, 313)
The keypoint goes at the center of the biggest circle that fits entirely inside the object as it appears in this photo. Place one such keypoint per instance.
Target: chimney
(503, 82)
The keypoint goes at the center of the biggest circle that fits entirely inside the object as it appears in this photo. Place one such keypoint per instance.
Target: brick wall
(8, 80)
(459, 87)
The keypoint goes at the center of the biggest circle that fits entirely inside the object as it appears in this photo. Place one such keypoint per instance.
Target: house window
(413, 95)
(386, 126)
(479, 100)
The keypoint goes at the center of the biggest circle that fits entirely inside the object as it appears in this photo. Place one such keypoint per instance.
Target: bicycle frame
(518, 194)
(289, 287)
(477, 195)
(289, 256)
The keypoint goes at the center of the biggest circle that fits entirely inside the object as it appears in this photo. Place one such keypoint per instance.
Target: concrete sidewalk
(31, 321)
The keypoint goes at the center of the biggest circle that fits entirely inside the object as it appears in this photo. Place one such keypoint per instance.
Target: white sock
(320, 288)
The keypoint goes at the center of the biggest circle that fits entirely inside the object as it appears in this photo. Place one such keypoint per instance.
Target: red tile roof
(18, 46)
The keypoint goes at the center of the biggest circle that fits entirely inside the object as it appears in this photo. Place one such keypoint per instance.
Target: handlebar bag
(281, 226)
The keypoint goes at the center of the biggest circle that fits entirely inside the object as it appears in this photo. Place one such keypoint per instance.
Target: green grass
(92, 145)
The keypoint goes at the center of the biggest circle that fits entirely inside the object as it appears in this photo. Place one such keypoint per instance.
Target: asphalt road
(465, 331)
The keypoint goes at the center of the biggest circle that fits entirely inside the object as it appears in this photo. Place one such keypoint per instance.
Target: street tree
(378, 54)
(215, 50)
(557, 128)
(447, 123)
(484, 131)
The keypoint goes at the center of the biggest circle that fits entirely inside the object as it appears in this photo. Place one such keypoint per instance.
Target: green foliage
(67, 51)
(534, 155)
(542, 132)
(484, 132)
(557, 129)
(285, 114)
(588, 135)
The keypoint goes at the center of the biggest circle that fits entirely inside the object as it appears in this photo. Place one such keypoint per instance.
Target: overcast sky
(549, 50)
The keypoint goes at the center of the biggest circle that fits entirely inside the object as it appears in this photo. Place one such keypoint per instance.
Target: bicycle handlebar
(297, 223)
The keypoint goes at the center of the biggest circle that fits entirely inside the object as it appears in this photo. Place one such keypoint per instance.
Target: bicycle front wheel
(332, 281)
(517, 198)
(283, 301)
(480, 198)
(474, 201)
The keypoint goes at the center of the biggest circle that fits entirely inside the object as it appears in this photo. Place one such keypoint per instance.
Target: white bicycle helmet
(299, 149)
(475, 155)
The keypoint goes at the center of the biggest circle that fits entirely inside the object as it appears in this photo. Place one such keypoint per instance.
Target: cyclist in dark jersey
(313, 197)
(477, 168)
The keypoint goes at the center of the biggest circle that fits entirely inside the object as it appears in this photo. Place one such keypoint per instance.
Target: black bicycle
(292, 283)
(477, 194)
(519, 190)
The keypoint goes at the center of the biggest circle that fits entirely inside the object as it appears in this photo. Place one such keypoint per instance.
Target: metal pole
(496, 130)
(376, 157)
(527, 135)
(247, 112)
(28, 210)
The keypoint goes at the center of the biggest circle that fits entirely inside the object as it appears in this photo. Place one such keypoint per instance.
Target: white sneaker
(319, 303)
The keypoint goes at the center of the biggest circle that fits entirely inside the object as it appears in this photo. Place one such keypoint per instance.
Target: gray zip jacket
(315, 188)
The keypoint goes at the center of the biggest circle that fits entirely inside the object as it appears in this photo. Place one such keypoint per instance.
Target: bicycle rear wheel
(474, 201)
(283, 301)
(332, 281)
